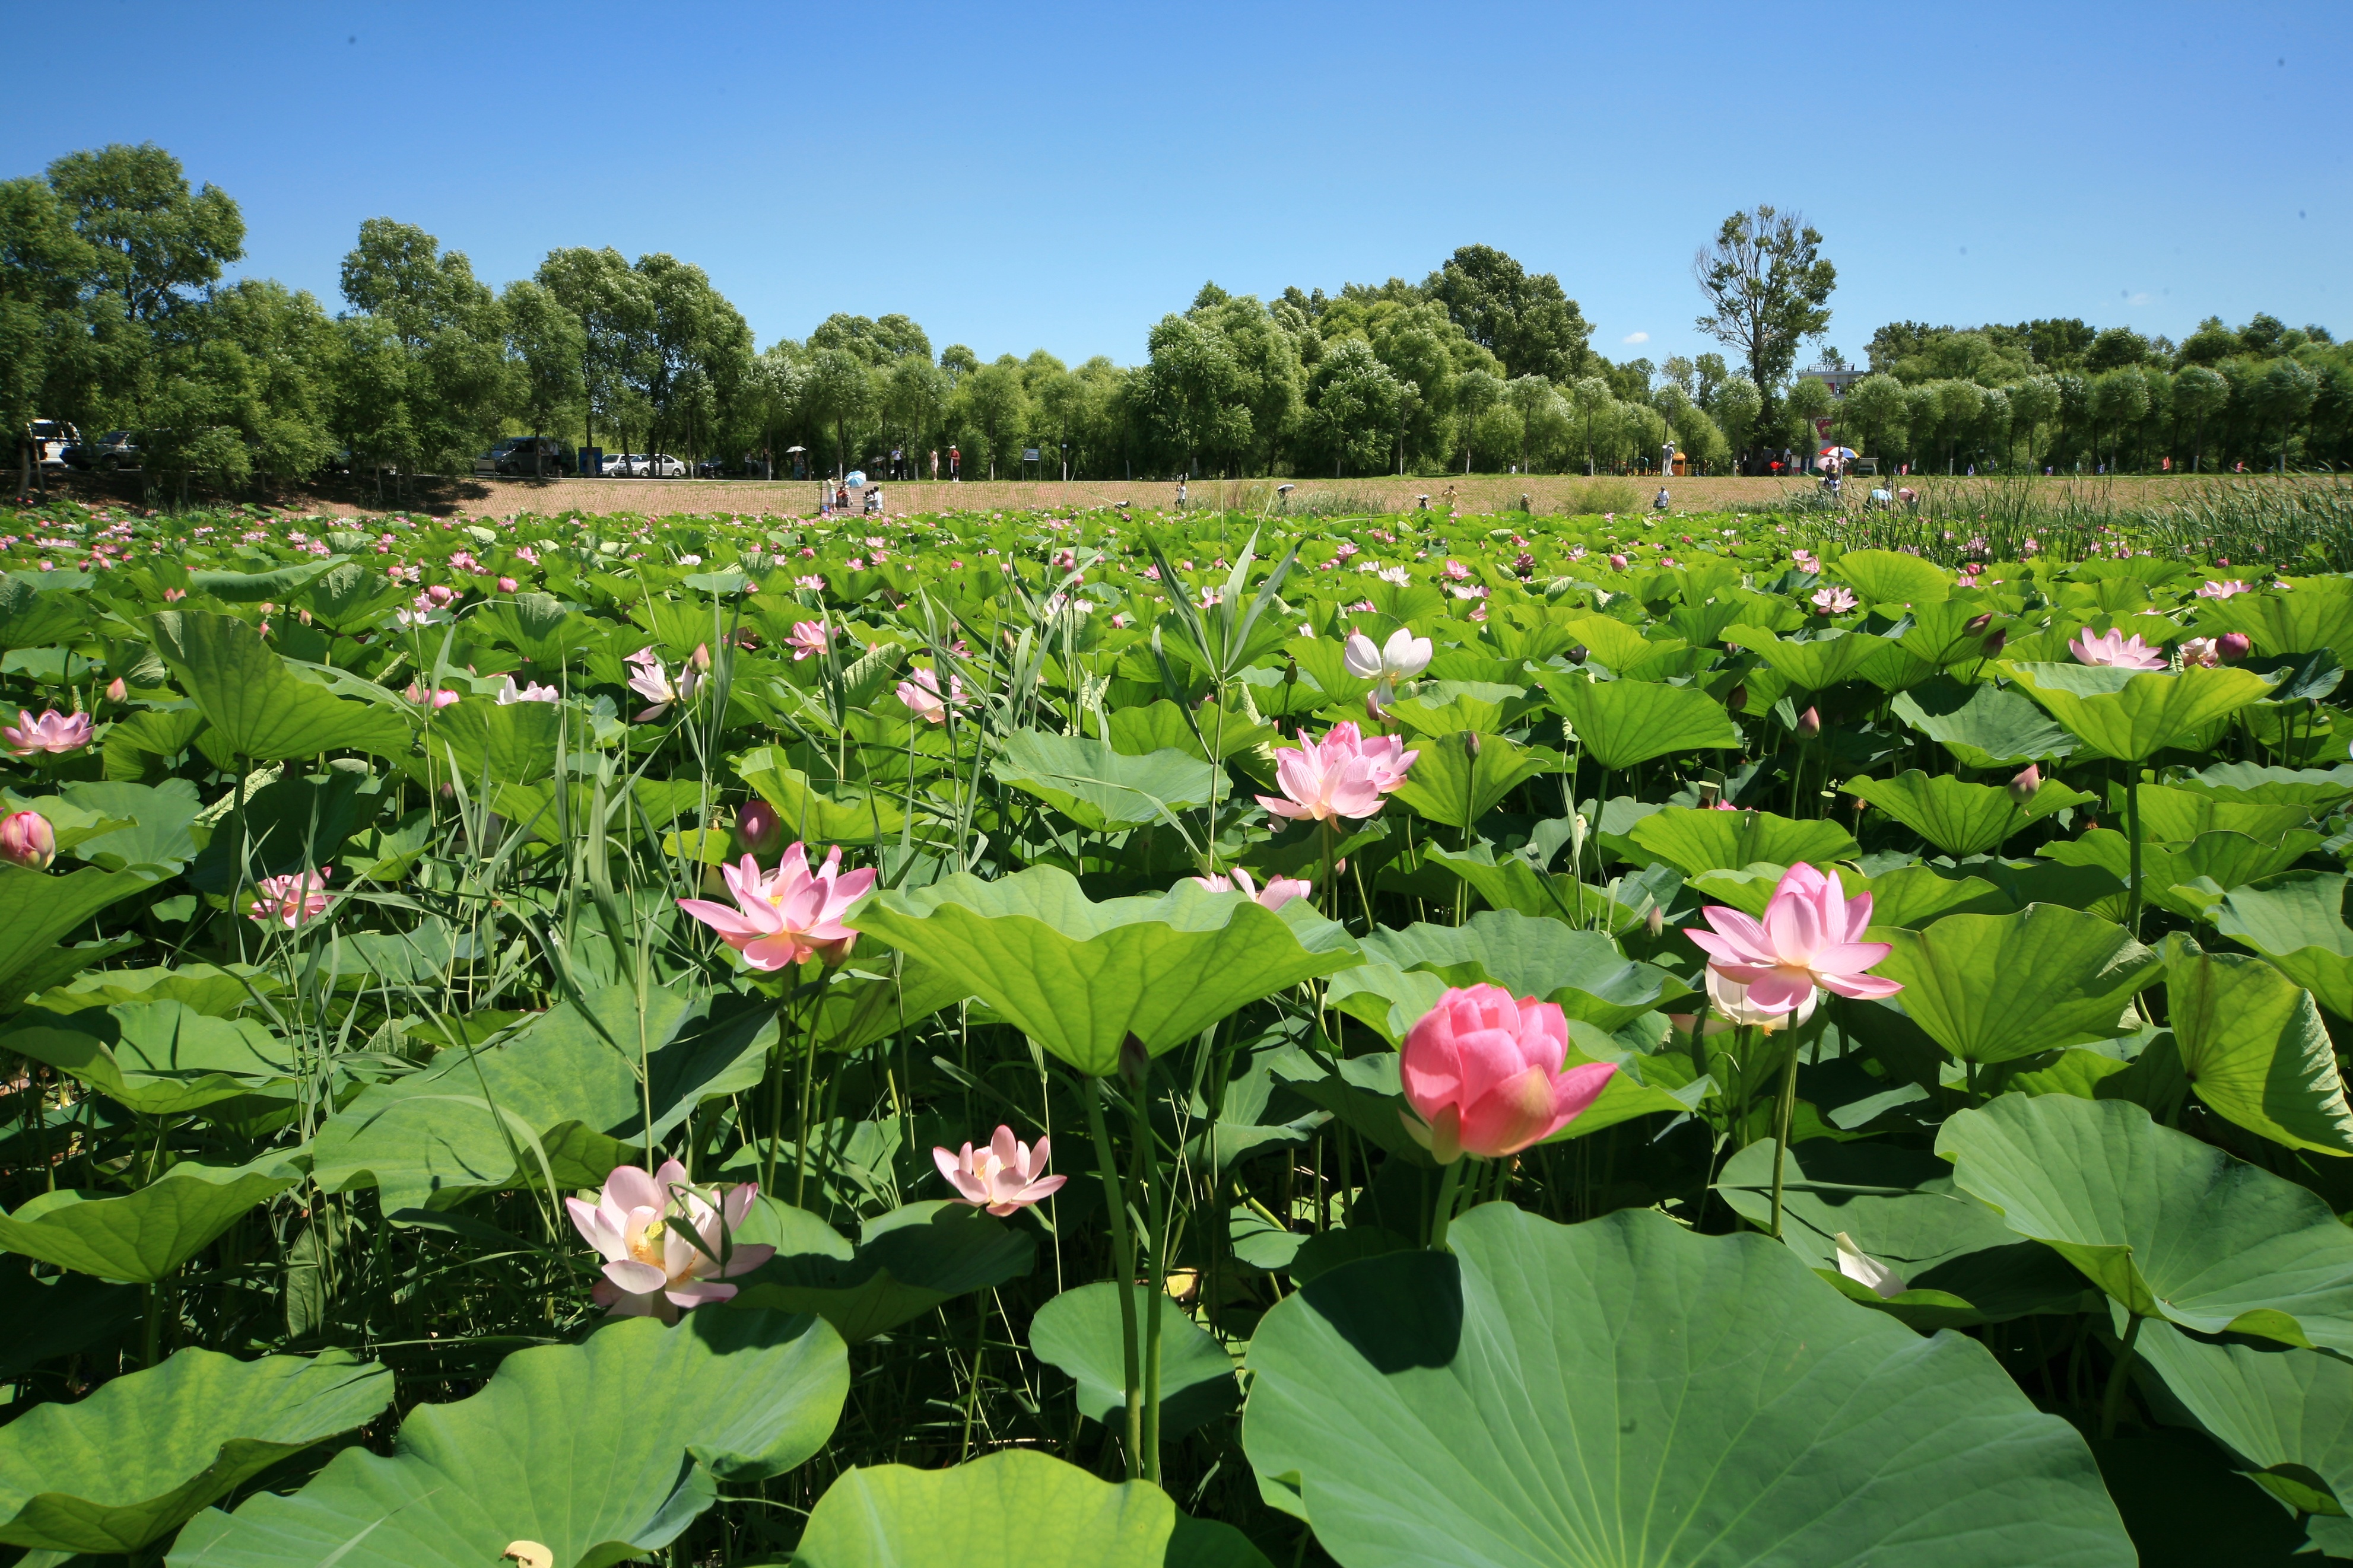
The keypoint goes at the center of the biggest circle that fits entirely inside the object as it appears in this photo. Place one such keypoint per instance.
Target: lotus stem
(1123, 1258)
(1448, 1185)
(1149, 1154)
(2112, 1404)
(1784, 1110)
(2132, 828)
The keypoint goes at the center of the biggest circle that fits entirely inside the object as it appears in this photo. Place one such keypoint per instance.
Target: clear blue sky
(1061, 176)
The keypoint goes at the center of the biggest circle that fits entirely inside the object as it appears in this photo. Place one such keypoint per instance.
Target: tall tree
(546, 342)
(158, 242)
(1766, 284)
(1526, 319)
(45, 268)
(448, 325)
(610, 302)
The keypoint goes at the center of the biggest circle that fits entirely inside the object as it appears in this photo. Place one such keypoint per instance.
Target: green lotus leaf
(537, 626)
(1899, 1207)
(1532, 1398)
(157, 821)
(2297, 921)
(1511, 883)
(1450, 787)
(1816, 662)
(2283, 1412)
(2169, 1226)
(2188, 1506)
(1079, 977)
(1892, 577)
(2255, 1049)
(488, 744)
(467, 1123)
(1959, 818)
(2318, 790)
(2133, 715)
(259, 708)
(1079, 1333)
(1101, 789)
(138, 1238)
(850, 815)
(253, 587)
(2224, 859)
(602, 1452)
(2179, 816)
(349, 598)
(1694, 841)
(38, 908)
(1623, 648)
(72, 824)
(1992, 988)
(2318, 615)
(34, 616)
(906, 1262)
(1017, 1505)
(136, 1460)
(159, 1057)
(1583, 971)
(1983, 726)
(57, 1315)
(1621, 723)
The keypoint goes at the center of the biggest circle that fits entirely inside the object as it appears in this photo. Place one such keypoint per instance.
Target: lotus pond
(1127, 1040)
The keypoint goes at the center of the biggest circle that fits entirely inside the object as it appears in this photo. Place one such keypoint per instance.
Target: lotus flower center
(647, 1247)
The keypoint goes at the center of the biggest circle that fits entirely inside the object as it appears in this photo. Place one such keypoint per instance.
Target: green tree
(1589, 399)
(610, 302)
(1353, 406)
(448, 322)
(2118, 400)
(1195, 390)
(2284, 395)
(45, 341)
(547, 344)
(695, 355)
(158, 243)
(1733, 402)
(1875, 407)
(998, 399)
(834, 392)
(1524, 319)
(1767, 288)
(2033, 404)
(1475, 392)
(2198, 393)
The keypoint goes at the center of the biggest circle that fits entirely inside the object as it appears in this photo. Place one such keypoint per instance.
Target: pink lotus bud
(2233, 647)
(508, 584)
(1482, 1073)
(2023, 787)
(703, 656)
(1977, 624)
(1736, 698)
(1994, 639)
(1135, 1060)
(27, 840)
(116, 692)
(439, 594)
(760, 828)
(174, 595)
(1656, 921)
(1809, 725)
(1617, 564)
(1579, 654)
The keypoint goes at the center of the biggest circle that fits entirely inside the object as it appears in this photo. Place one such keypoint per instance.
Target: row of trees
(113, 314)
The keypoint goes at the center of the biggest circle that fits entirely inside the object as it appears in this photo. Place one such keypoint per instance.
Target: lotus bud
(439, 594)
(1655, 921)
(1736, 698)
(760, 828)
(1994, 639)
(1618, 563)
(2023, 787)
(27, 840)
(1579, 654)
(1977, 624)
(2233, 647)
(702, 656)
(1470, 744)
(508, 584)
(1135, 1061)
(116, 692)
(1809, 725)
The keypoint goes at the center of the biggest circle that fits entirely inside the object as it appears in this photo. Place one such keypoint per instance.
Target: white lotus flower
(1402, 657)
(1866, 1270)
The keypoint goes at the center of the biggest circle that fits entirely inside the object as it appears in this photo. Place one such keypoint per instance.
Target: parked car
(624, 465)
(114, 452)
(646, 466)
(531, 454)
(713, 469)
(50, 437)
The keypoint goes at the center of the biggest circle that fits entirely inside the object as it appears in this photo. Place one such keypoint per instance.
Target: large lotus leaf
(2296, 920)
(34, 616)
(2168, 1225)
(71, 825)
(1101, 789)
(1983, 726)
(1449, 785)
(1079, 977)
(52, 1315)
(158, 820)
(213, 990)
(290, 824)
(2178, 878)
(1625, 1392)
(2255, 1049)
(1583, 971)
(1957, 816)
(906, 1262)
(1014, 1506)
(863, 1002)
(1623, 647)
(1694, 841)
(2133, 715)
(601, 1452)
(1512, 882)
(467, 1123)
(536, 626)
(1892, 577)
(259, 708)
(850, 815)
(137, 1459)
(253, 587)
(1991, 988)
(138, 1238)
(1959, 1263)
(1621, 723)
(2318, 790)
(1909, 896)
(158, 1058)
(2318, 615)
(350, 598)
(1818, 662)
(2179, 816)
(1080, 1331)
(2284, 1412)
(39, 908)
(489, 744)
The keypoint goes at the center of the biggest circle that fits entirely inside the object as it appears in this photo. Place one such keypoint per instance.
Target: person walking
(936, 463)
(955, 464)
(1180, 492)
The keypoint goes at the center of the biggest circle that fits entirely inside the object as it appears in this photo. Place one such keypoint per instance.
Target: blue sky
(1061, 176)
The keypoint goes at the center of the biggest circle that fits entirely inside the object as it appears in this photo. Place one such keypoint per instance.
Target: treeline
(113, 316)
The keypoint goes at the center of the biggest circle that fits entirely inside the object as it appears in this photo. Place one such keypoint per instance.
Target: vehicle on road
(115, 452)
(646, 466)
(50, 437)
(532, 457)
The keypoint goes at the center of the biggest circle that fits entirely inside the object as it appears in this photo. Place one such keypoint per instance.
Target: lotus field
(1139, 1039)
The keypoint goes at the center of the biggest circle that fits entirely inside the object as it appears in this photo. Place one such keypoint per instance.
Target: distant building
(1837, 378)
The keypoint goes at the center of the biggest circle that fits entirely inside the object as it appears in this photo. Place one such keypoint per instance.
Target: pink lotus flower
(1835, 600)
(1006, 1176)
(1278, 891)
(651, 681)
(1810, 936)
(921, 694)
(815, 584)
(530, 691)
(1731, 1006)
(508, 584)
(26, 839)
(1341, 775)
(2115, 651)
(788, 915)
(291, 900)
(2233, 647)
(1482, 1073)
(53, 734)
(439, 594)
(2222, 590)
(808, 637)
(651, 1269)
(2201, 653)
(171, 595)
(441, 699)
